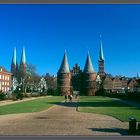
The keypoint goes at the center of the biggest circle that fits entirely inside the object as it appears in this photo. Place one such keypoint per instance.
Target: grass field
(108, 106)
(30, 106)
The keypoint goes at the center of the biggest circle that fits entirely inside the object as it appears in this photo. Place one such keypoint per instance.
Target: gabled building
(133, 85)
(76, 77)
(124, 81)
(108, 84)
(76, 70)
(5, 79)
(117, 85)
(51, 81)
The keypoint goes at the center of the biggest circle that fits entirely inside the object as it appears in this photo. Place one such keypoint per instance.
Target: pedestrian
(70, 97)
(76, 96)
(65, 98)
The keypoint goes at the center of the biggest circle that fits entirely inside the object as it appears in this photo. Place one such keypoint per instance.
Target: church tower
(22, 68)
(89, 78)
(101, 61)
(14, 65)
(64, 77)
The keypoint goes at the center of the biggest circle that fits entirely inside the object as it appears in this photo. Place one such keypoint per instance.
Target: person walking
(70, 97)
(65, 98)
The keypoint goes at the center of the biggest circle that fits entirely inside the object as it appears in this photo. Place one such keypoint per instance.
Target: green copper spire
(14, 60)
(101, 55)
(88, 66)
(138, 75)
(23, 57)
(64, 66)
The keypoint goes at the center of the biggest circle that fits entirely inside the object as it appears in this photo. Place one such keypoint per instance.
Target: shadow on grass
(111, 130)
(103, 104)
(67, 104)
(92, 104)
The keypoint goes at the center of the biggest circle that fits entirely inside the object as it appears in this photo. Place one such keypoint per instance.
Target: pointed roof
(138, 75)
(23, 57)
(14, 59)
(88, 66)
(65, 65)
(101, 55)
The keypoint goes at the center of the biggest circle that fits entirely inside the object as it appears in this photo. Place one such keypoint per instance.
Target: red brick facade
(5, 80)
(64, 83)
(89, 83)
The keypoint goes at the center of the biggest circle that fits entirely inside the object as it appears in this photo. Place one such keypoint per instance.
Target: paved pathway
(7, 102)
(61, 119)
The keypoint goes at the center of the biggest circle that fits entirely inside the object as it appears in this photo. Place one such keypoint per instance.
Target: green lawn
(35, 105)
(108, 106)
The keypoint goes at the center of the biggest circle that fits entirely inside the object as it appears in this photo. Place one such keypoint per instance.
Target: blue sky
(47, 30)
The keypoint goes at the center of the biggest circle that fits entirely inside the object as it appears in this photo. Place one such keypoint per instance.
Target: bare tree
(31, 78)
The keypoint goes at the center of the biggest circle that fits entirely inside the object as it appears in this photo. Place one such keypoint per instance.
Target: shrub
(43, 93)
(2, 96)
(100, 92)
(17, 95)
(52, 91)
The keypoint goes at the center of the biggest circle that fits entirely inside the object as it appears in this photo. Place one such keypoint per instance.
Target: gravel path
(61, 119)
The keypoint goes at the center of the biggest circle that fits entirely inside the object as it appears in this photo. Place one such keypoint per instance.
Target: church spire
(101, 61)
(14, 59)
(64, 66)
(23, 57)
(101, 55)
(14, 65)
(88, 66)
(138, 75)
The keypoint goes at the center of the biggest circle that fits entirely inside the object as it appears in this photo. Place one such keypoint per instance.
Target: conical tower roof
(65, 65)
(14, 59)
(101, 55)
(88, 66)
(23, 57)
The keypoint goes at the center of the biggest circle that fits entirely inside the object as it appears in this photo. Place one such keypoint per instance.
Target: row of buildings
(121, 84)
(88, 81)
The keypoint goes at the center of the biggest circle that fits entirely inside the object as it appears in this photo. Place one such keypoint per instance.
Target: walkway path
(61, 119)
(7, 102)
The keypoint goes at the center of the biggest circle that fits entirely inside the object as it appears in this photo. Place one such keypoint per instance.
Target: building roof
(88, 66)
(65, 65)
(23, 57)
(101, 55)
(2, 69)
